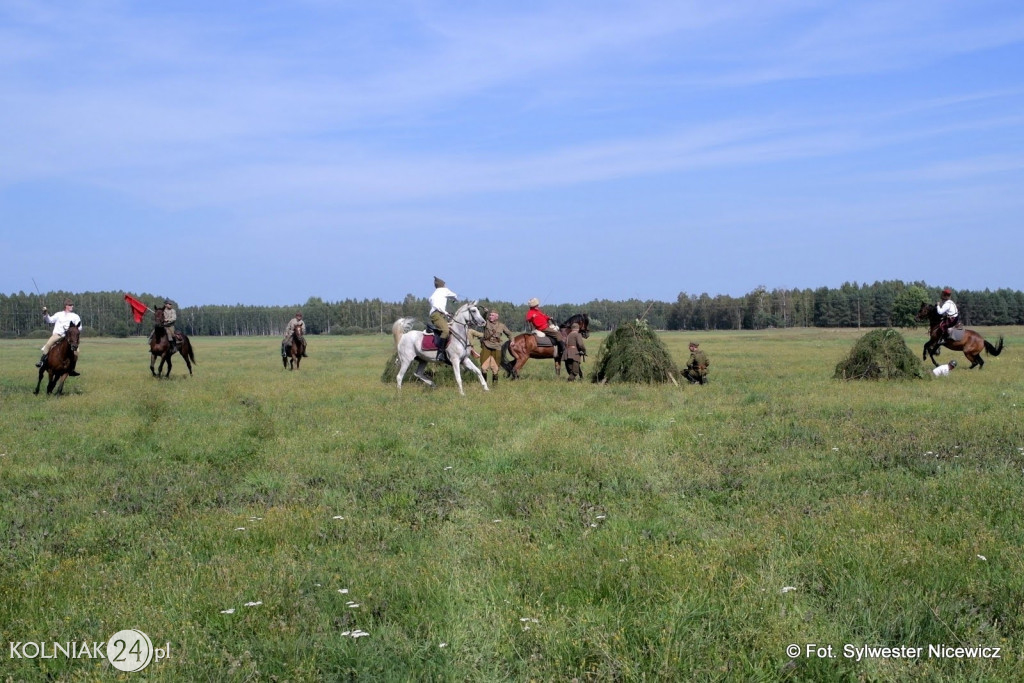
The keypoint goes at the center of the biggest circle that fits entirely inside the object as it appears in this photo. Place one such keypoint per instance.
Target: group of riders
(571, 348)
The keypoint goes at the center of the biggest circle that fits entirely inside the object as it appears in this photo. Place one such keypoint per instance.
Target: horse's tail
(506, 362)
(401, 326)
(994, 350)
(187, 346)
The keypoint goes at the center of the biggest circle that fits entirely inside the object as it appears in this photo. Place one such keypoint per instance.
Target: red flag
(138, 308)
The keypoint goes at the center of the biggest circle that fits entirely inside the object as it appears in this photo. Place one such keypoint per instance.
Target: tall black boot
(42, 361)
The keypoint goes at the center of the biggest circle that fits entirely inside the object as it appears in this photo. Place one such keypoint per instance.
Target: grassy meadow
(540, 531)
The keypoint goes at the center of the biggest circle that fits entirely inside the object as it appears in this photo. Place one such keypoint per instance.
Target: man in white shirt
(439, 314)
(60, 321)
(948, 310)
(944, 370)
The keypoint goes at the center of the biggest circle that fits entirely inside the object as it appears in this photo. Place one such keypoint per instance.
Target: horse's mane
(578, 317)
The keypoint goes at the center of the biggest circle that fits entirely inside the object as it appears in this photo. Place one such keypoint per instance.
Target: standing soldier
(60, 321)
(490, 345)
(575, 351)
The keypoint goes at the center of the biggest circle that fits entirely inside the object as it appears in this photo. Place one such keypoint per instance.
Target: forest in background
(881, 304)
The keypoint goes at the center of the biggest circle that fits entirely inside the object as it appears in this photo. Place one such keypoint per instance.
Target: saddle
(431, 341)
(956, 333)
(543, 339)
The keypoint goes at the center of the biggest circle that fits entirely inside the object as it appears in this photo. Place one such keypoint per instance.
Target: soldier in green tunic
(697, 367)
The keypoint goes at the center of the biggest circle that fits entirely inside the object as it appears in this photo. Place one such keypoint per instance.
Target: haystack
(880, 354)
(634, 353)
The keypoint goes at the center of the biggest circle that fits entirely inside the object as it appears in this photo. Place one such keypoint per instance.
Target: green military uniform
(697, 367)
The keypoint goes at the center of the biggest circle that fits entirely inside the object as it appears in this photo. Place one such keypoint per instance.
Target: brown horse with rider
(968, 341)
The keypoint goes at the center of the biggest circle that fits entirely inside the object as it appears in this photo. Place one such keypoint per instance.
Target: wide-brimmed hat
(438, 282)
(169, 302)
(534, 302)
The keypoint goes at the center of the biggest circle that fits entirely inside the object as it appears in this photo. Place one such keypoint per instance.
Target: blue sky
(263, 153)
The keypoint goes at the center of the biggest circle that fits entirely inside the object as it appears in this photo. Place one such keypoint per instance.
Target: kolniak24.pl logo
(127, 650)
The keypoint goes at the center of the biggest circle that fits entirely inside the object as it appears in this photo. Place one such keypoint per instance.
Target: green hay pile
(634, 353)
(881, 354)
(441, 374)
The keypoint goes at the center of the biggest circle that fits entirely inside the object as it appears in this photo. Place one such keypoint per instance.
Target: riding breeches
(490, 359)
(438, 319)
(51, 341)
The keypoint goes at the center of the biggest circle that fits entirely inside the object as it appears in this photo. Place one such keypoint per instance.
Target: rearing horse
(60, 360)
(524, 347)
(972, 343)
(409, 343)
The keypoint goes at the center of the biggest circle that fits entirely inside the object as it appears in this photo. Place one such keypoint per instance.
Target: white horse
(409, 343)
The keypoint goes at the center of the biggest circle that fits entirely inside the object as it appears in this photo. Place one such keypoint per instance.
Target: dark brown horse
(294, 348)
(160, 347)
(972, 343)
(60, 360)
(524, 347)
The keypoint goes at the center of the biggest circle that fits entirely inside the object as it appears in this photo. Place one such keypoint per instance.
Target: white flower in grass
(835, 448)
(443, 645)
(337, 517)
(359, 634)
(448, 468)
(346, 633)
(786, 589)
(228, 611)
(982, 558)
(239, 528)
(254, 604)
(343, 590)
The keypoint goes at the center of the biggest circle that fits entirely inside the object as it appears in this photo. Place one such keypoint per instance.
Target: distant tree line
(882, 304)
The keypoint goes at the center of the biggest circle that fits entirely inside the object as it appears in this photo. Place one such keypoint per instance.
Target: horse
(971, 343)
(294, 348)
(60, 360)
(525, 346)
(160, 347)
(409, 344)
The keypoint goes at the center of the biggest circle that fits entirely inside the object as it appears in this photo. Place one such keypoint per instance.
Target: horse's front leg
(457, 371)
(480, 375)
(42, 371)
(152, 364)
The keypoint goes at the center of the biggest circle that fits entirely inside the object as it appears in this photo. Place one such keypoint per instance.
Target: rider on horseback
(60, 321)
(296, 324)
(949, 312)
(539, 321)
(439, 316)
(166, 316)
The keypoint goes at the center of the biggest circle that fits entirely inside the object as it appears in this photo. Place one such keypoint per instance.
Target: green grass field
(540, 531)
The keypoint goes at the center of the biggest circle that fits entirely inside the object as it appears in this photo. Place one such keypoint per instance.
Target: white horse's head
(469, 314)
(476, 316)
